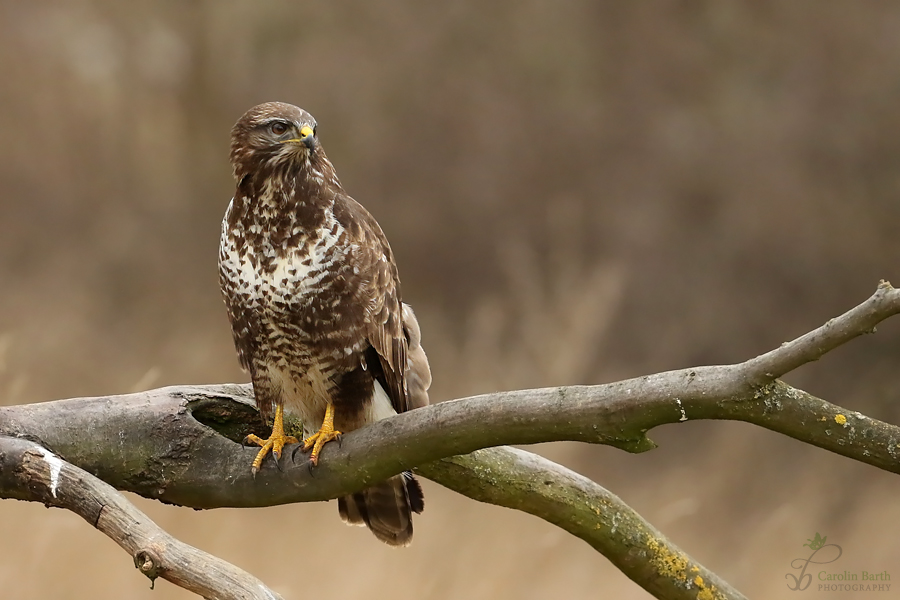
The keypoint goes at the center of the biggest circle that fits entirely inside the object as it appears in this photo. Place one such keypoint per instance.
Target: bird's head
(273, 136)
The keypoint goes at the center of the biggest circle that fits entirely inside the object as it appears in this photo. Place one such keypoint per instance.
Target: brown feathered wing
(402, 372)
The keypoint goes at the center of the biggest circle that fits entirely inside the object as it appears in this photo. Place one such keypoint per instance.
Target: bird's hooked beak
(306, 138)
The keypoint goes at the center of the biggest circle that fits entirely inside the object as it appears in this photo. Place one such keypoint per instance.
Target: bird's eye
(315, 127)
(278, 127)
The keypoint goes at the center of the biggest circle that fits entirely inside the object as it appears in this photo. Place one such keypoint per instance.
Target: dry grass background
(576, 192)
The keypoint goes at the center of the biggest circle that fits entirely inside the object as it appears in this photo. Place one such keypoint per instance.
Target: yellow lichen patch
(709, 593)
(676, 565)
(668, 563)
(840, 419)
(706, 592)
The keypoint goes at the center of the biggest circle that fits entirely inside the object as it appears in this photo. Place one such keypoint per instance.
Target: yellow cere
(840, 419)
(306, 131)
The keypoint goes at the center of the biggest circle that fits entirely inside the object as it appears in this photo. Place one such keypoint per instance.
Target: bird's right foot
(275, 442)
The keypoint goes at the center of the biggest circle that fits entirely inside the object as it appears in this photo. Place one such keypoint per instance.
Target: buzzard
(313, 297)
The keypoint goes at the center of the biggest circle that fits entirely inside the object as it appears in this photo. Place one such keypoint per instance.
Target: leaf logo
(817, 542)
(817, 545)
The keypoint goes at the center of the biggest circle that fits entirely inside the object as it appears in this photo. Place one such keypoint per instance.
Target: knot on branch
(148, 563)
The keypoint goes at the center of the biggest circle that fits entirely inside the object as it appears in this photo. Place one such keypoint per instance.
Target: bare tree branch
(524, 481)
(884, 303)
(31, 472)
(180, 444)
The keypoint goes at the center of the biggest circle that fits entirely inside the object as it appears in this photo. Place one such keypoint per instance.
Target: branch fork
(454, 443)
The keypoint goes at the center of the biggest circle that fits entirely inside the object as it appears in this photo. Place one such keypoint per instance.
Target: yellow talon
(325, 434)
(276, 442)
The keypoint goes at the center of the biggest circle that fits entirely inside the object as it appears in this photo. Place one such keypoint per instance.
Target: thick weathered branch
(168, 443)
(31, 472)
(180, 444)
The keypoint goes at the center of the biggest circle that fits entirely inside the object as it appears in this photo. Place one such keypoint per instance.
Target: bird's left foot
(274, 444)
(325, 434)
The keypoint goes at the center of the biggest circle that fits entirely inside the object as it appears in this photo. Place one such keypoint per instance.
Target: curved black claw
(277, 462)
(294, 452)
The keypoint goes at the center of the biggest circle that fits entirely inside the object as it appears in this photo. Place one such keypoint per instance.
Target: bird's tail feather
(386, 508)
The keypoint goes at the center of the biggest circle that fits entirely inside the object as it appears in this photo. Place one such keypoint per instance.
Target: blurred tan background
(576, 192)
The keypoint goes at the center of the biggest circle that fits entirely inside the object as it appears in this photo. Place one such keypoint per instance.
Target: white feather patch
(381, 406)
(55, 464)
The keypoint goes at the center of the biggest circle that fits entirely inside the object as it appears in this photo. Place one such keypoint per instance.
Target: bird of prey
(313, 297)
